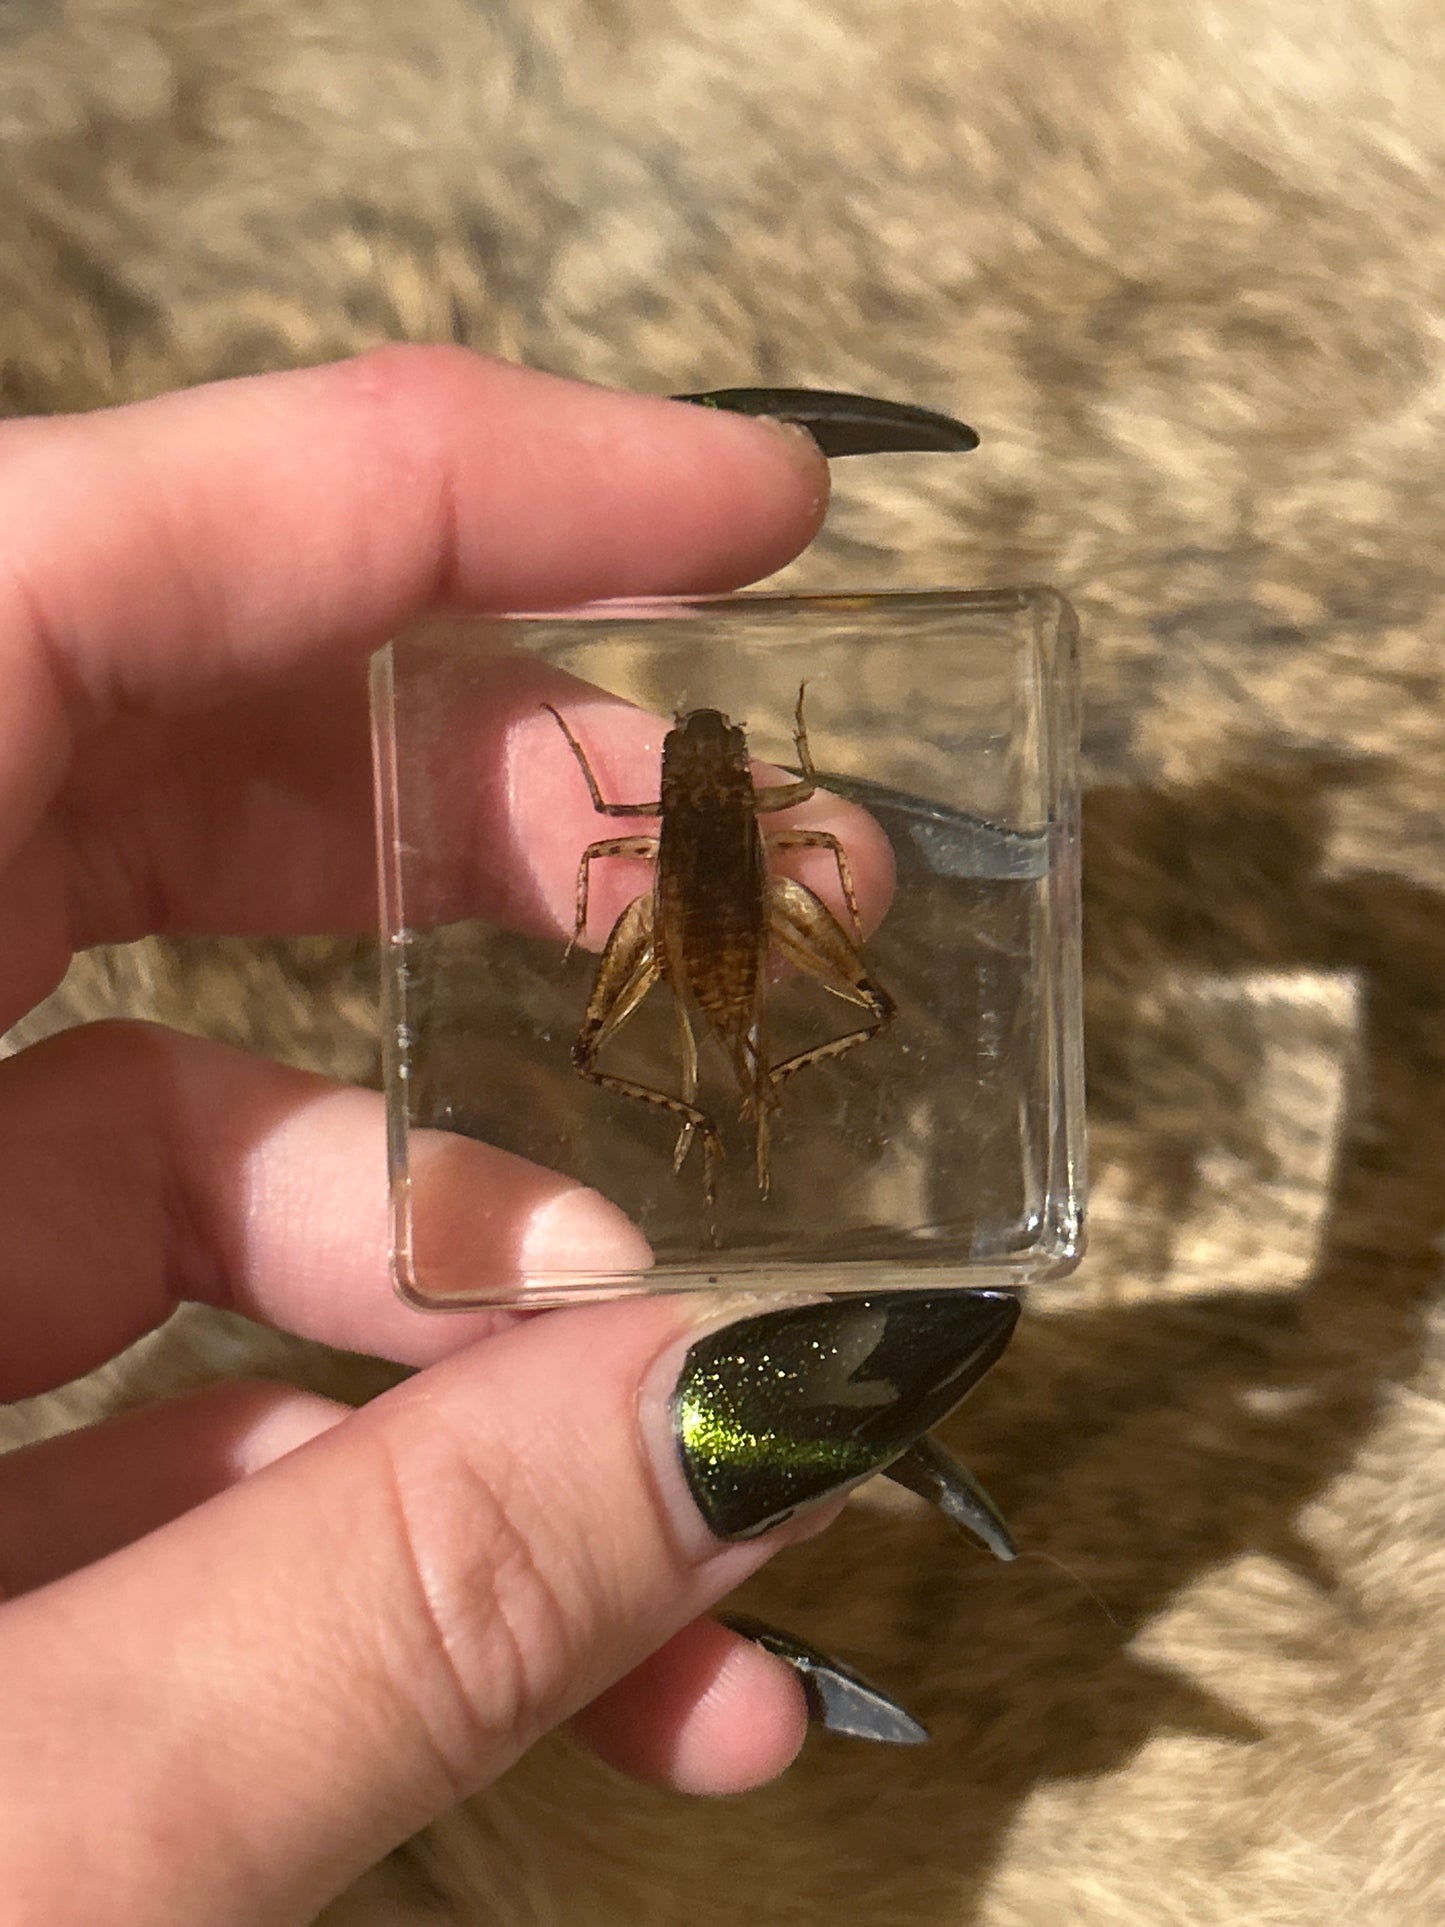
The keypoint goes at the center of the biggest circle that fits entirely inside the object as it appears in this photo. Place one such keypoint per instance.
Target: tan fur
(1183, 266)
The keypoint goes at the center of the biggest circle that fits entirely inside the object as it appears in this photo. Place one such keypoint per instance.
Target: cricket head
(702, 746)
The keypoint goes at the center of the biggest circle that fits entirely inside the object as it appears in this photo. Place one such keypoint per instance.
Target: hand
(252, 1640)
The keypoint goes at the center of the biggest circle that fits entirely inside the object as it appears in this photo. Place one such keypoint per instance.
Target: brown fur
(1183, 267)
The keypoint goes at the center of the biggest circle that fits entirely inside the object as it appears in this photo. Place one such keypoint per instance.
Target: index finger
(205, 544)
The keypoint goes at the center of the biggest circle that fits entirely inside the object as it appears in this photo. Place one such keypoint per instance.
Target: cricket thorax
(711, 871)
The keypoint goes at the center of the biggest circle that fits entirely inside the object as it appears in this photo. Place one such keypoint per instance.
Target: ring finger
(181, 1169)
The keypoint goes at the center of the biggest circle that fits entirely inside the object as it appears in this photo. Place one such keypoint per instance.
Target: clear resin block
(944, 1148)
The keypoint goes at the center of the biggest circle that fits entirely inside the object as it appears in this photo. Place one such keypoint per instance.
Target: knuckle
(133, 1065)
(400, 367)
(411, 396)
(489, 1643)
(122, 1063)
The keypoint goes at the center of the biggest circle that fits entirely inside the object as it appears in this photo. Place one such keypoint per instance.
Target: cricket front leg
(602, 807)
(787, 796)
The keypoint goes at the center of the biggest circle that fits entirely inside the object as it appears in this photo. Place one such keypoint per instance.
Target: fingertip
(709, 1713)
(804, 460)
(748, 1729)
(273, 1420)
(741, 495)
(791, 496)
(493, 1225)
(577, 1229)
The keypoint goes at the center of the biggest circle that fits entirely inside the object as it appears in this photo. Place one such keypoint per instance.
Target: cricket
(714, 919)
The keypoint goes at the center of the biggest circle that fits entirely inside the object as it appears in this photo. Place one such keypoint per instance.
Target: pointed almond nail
(937, 1476)
(840, 1700)
(847, 424)
(788, 1407)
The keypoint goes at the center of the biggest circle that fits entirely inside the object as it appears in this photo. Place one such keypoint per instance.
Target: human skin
(251, 1639)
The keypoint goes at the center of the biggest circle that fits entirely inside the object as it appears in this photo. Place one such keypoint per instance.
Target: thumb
(257, 1701)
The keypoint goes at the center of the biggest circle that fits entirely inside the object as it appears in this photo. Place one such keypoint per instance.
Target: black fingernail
(790, 1406)
(937, 1476)
(840, 1700)
(847, 424)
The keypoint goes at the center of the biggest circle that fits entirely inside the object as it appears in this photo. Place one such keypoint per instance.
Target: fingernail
(788, 1407)
(847, 424)
(840, 1700)
(937, 1476)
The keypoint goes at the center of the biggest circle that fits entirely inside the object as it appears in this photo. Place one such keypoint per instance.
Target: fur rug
(1183, 266)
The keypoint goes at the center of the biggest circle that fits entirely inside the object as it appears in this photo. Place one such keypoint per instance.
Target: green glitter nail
(789, 1407)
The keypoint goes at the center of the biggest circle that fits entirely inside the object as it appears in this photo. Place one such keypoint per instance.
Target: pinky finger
(70, 1500)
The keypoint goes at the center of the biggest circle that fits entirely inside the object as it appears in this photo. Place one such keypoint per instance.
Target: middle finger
(256, 818)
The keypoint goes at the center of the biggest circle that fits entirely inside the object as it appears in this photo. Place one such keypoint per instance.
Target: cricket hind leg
(688, 1045)
(760, 1099)
(711, 1142)
(810, 938)
(629, 968)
